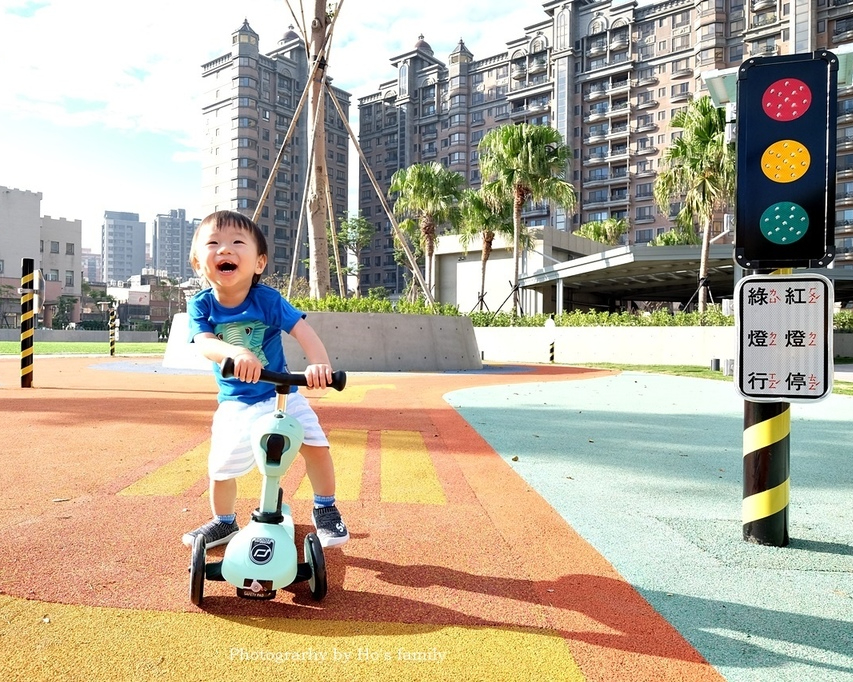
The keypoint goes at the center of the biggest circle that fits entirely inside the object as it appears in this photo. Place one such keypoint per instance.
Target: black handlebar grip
(339, 378)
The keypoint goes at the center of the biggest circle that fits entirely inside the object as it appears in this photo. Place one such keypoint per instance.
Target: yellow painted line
(57, 641)
(349, 449)
(354, 394)
(176, 476)
(407, 473)
(764, 504)
(767, 432)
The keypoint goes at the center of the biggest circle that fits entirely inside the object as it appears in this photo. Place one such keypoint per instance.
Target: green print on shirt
(249, 336)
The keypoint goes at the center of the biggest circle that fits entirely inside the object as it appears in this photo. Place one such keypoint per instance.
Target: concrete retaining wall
(364, 342)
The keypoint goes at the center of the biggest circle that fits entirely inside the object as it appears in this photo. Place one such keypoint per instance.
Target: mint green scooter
(262, 558)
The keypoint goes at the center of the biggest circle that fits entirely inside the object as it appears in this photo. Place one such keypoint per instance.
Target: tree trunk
(517, 205)
(703, 265)
(488, 238)
(318, 243)
(428, 233)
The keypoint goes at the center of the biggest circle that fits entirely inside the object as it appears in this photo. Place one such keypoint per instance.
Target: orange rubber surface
(456, 568)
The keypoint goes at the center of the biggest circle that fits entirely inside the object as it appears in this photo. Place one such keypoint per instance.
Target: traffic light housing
(786, 132)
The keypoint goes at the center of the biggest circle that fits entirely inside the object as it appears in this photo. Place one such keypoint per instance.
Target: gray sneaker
(215, 532)
(331, 529)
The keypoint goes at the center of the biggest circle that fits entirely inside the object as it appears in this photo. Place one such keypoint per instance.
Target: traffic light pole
(766, 472)
(766, 468)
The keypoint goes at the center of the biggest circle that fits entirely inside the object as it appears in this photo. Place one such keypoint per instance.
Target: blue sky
(100, 98)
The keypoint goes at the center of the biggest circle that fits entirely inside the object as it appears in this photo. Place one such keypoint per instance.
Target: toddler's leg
(331, 530)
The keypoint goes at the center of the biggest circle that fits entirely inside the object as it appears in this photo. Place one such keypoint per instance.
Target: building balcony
(619, 41)
(763, 20)
(597, 115)
(760, 5)
(648, 80)
(621, 109)
(531, 209)
(646, 104)
(596, 48)
(518, 71)
(845, 116)
(620, 130)
(537, 65)
(681, 97)
(618, 87)
(595, 92)
(845, 199)
(844, 143)
(646, 128)
(594, 159)
(643, 219)
(642, 151)
(595, 137)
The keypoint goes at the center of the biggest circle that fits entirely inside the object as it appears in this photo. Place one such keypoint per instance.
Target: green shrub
(843, 321)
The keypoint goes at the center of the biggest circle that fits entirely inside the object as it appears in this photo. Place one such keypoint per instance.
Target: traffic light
(786, 131)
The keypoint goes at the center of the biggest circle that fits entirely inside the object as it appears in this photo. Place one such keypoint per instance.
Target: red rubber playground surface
(456, 570)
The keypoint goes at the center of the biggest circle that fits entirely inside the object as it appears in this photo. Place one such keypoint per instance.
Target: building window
(69, 278)
(643, 236)
(54, 247)
(69, 249)
(52, 276)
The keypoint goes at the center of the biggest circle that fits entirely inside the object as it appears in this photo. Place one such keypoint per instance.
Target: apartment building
(122, 245)
(52, 243)
(249, 102)
(171, 242)
(609, 76)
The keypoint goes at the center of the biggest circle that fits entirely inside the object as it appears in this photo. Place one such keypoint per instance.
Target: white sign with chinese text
(784, 335)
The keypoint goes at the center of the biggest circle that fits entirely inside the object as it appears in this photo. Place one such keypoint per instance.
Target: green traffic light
(784, 222)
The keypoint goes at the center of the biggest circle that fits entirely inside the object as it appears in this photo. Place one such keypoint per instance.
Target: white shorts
(230, 448)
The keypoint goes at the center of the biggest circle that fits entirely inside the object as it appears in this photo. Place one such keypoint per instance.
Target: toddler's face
(227, 258)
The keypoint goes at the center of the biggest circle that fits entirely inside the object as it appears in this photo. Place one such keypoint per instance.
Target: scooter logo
(261, 550)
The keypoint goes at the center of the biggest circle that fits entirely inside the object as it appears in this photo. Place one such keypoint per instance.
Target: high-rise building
(609, 76)
(172, 239)
(122, 246)
(250, 100)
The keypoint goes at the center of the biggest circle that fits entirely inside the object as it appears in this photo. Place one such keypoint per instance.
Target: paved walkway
(558, 524)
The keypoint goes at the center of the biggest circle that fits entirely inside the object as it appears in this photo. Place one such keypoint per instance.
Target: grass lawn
(83, 348)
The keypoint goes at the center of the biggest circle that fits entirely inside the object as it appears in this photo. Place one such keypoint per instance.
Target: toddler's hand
(318, 376)
(247, 367)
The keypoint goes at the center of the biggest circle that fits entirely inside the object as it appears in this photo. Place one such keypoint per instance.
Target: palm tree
(525, 162)
(481, 218)
(699, 168)
(430, 194)
(608, 231)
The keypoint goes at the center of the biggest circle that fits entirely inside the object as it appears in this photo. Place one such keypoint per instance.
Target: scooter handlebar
(339, 378)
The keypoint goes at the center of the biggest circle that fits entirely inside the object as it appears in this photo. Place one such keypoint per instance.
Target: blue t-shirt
(255, 324)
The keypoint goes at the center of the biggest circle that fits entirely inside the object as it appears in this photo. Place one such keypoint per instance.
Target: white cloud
(136, 67)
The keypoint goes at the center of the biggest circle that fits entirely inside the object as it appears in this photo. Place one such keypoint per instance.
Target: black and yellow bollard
(27, 321)
(112, 331)
(766, 472)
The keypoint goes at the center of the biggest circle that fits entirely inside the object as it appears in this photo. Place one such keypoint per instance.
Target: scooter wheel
(197, 570)
(314, 556)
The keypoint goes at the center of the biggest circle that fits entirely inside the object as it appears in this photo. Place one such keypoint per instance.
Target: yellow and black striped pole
(112, 331)
(766, 472)
(766, 468)
(27, 321)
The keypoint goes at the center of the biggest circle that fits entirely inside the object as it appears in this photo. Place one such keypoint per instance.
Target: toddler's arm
(247, 366)
(319, 369)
